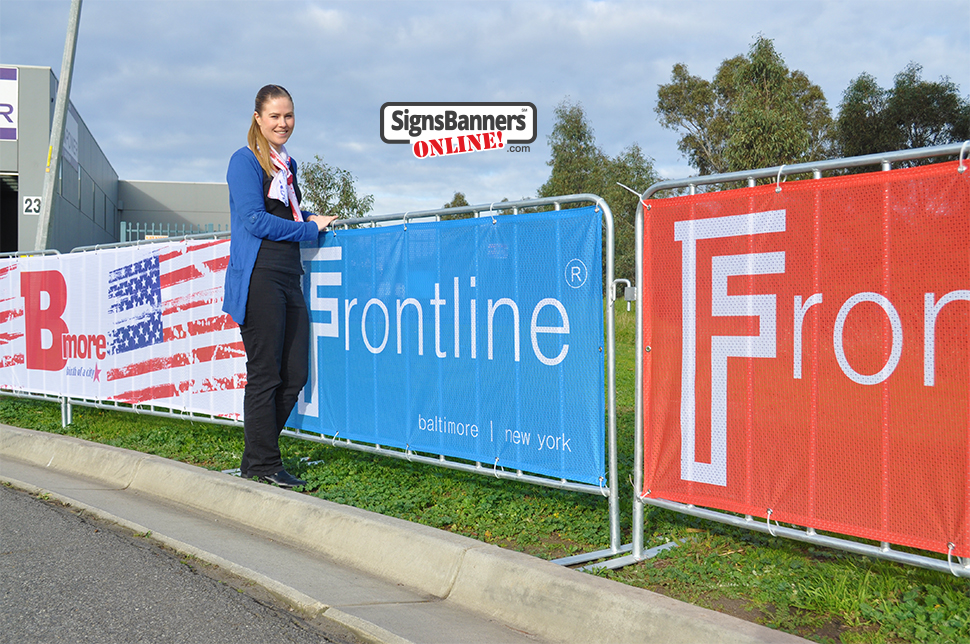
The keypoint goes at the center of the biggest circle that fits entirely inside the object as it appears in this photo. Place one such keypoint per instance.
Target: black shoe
(282, 479)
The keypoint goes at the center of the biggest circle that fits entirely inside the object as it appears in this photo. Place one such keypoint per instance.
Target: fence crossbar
(959, 567)
(142, 242)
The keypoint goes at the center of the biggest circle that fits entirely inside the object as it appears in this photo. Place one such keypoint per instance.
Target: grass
(824, 595)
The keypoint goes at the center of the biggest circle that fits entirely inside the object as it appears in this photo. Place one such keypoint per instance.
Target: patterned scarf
(281, 187)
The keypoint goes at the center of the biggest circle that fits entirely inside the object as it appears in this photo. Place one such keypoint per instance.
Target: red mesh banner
(809, 354)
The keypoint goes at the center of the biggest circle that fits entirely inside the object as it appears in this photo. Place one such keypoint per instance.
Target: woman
(263, 292)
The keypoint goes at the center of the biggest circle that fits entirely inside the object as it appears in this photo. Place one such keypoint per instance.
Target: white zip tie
(962, 149)
(333, 441)
(628, 188)
(778, 181)
(493, 213)
(603, 489)
(770, 531)
(949, 558)
(495, 467)
(636, 492)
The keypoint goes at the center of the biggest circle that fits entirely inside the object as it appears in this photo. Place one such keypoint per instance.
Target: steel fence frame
(960, 568)
(505, 208)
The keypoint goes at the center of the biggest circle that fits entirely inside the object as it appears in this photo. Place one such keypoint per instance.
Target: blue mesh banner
(479, 339)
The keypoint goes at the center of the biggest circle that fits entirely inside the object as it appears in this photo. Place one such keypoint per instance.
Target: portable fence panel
(479, 339)
(138, 325)
(810, 354)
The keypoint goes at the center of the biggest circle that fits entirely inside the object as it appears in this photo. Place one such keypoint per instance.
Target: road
(66, 577)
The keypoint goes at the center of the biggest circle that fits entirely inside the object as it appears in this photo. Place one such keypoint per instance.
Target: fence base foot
(620, 562)
(572, 560)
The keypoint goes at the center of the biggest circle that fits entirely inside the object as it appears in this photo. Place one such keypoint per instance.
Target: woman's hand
(322, 221)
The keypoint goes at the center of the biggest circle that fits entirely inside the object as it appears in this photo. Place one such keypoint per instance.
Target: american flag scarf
(281, 187)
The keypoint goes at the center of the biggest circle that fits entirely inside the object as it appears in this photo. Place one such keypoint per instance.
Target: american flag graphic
(166, 313)
(159, 307)
(135, 294)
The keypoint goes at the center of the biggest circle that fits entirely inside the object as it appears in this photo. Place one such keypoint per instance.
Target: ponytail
(260, 147)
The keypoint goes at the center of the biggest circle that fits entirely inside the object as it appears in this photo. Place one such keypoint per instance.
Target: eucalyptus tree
(754, 113)
(329, 190)
(914, 113)
(579, 165)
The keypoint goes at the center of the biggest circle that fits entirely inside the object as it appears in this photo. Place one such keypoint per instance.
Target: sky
(167, 86)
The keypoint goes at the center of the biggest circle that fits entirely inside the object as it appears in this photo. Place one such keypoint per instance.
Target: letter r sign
(763, 345)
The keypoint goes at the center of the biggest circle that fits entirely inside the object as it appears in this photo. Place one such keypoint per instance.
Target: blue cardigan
(250, 224)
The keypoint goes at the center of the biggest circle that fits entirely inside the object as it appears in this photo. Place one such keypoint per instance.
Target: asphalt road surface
(70, 577)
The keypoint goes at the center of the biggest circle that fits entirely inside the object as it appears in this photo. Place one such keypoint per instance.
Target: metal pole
(614, 499)
(638, 405)
(57, 127)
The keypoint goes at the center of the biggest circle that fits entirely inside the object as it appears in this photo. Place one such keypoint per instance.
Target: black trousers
(276, 336)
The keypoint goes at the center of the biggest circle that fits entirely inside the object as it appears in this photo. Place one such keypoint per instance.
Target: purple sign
(8, 104)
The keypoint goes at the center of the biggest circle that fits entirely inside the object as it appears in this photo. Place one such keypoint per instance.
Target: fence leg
(65, 412)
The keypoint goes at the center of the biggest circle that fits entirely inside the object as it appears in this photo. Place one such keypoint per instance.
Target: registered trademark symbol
(576, 273)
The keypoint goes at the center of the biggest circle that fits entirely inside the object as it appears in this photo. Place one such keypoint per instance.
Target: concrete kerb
(566, 605)
(516, 589)
(112, 466)
(363, 540)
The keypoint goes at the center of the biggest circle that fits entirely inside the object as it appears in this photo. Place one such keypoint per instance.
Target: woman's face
(276, 120)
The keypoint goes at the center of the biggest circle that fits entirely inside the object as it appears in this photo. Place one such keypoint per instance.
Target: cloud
(329, 21)
(167, 87)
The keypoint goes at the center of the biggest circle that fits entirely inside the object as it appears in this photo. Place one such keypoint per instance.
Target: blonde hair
(257, 142)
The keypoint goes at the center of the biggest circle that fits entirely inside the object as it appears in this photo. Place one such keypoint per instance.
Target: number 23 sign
(32, 205)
